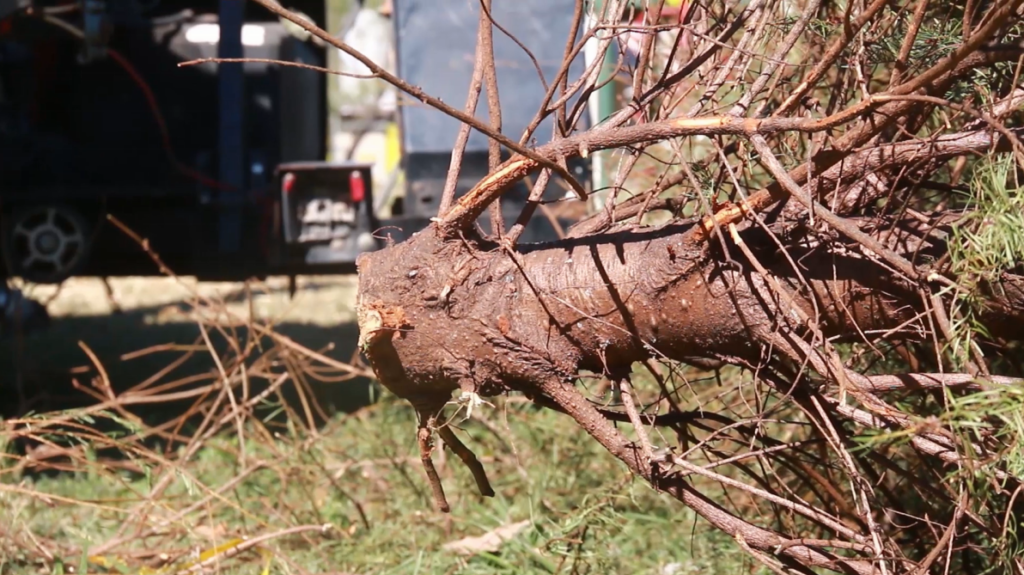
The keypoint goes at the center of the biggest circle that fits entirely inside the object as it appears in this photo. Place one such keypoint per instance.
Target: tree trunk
(439, 315)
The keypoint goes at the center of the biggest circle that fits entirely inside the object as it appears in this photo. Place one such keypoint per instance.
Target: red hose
(165, 135)
(267, 205)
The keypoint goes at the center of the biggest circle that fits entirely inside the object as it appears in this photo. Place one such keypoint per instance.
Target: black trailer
(97, 119)
(220, 167)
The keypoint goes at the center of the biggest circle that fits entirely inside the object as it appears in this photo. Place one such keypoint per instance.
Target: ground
(559, 494)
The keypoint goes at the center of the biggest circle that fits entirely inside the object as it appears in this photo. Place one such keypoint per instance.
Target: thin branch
(278, 63)
(472, 99)
(415, 91)
(493, 107)
(471, 205)
(850, 29)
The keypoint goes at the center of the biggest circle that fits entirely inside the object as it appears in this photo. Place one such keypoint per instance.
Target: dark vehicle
(221, 167)
(97, 118)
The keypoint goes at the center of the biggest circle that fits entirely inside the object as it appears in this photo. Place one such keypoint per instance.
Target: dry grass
(134, 332)
(312, 478)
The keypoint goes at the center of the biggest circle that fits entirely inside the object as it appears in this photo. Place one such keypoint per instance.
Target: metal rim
(47, 242)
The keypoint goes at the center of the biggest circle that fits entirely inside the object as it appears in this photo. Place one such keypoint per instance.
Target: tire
(46, 243)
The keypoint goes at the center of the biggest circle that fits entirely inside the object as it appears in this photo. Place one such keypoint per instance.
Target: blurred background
(134, 165)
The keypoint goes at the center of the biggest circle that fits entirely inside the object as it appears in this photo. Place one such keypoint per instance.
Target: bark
(470, 315)
(438, 316)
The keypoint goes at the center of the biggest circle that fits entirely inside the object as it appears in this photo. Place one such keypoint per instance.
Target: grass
(585, 513)
(125, 504)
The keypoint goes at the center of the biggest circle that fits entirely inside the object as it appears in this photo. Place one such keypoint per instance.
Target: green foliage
(939, 35)
(823, 28)
(995, 417)
(989, 240)
(986, 242)
(936, 39)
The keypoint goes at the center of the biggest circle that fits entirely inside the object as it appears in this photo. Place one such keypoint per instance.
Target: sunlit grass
(362, 476)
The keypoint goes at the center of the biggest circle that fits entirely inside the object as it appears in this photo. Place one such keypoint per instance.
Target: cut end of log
(376, 320)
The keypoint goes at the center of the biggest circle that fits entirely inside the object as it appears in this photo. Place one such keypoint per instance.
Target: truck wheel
(46, 243)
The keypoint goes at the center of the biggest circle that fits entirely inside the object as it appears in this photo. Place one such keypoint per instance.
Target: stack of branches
(839, 231)
(259, 388)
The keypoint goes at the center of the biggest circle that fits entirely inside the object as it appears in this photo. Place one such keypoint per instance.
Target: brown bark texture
(439, 316)
(827, 246)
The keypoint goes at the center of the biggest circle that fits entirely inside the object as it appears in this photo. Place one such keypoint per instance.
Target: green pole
(606, 103)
